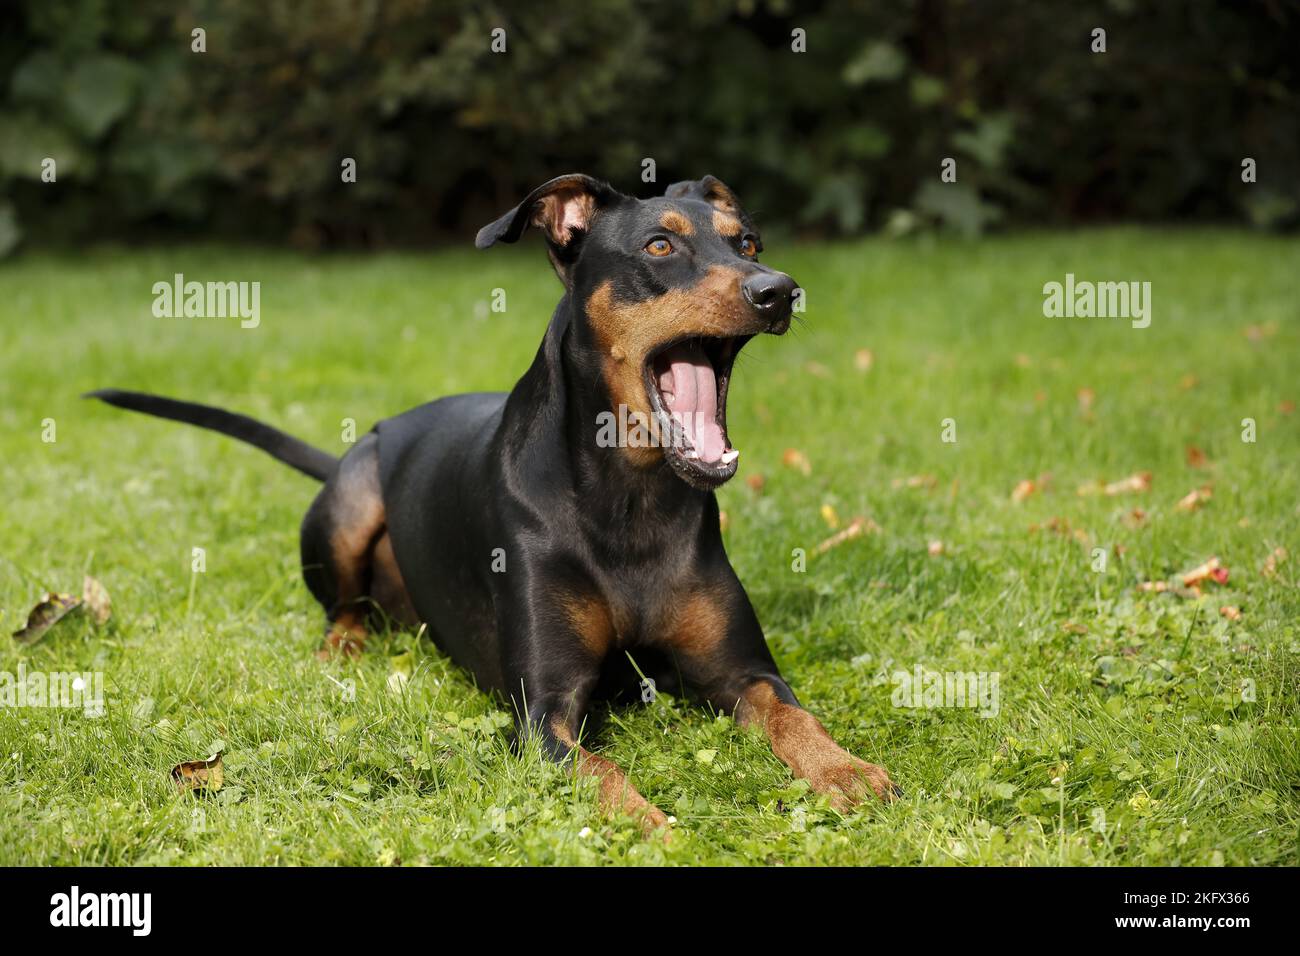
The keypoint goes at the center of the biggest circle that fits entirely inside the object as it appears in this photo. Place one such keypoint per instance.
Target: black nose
(770, 293)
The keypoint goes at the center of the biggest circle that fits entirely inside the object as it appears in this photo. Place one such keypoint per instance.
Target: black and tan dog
(539, 556)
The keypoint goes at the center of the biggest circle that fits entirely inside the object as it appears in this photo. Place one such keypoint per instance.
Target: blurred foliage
(247, 138)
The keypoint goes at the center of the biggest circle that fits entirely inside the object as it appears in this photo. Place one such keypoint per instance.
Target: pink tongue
(695, 401)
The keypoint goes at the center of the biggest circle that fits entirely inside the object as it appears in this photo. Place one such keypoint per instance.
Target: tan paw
(617, 795)
(654, 822)
(343, 640)
(848, 783)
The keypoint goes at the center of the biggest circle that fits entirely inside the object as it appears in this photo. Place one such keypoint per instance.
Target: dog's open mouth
(687, 383)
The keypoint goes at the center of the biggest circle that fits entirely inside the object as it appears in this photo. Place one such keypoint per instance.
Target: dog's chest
(682, 617)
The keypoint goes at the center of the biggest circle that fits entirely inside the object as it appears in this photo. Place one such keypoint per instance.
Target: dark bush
(247, 139)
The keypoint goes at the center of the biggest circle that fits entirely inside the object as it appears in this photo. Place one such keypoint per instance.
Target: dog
(543, 560)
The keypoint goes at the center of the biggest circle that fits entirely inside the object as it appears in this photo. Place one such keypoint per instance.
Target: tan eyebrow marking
(725, 224)
(674, 221)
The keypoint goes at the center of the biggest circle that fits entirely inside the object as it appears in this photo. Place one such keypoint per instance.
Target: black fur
(295, 453)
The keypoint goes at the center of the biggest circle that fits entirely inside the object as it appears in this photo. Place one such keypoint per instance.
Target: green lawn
(1122, 735)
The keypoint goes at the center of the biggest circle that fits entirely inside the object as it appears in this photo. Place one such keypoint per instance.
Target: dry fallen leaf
(1211, 570)
(817, 368)
(1194, 498)
(935, 548)
(1085, 398)
(54, 606)
(1141, 481)
(794, 458)
(1286, 407)
(1055, 524)
(1137, 482)
(52, 609)
(863, 359)
(916, 481)
(1257, 333)
(830, 517)
(1188, 382)
(1196, 458)
(1070, 627)
(857, 527)
(1156, 587)
(1061, 526)
(1023, 360)
(1135, 517)
(200, 775)
(1231, 612)
(723, 521)
(1271, 563)
(1023, 490)
(96, 600)
(756, 483)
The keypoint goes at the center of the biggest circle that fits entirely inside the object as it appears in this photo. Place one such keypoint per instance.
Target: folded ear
(562, 208)
(710, 189)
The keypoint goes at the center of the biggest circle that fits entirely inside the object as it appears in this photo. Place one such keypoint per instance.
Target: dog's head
(666, 291)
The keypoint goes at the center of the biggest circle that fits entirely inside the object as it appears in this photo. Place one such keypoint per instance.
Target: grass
(1123, 734)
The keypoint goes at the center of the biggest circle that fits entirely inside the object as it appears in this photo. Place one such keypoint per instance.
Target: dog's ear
(562, 208)
(710, 189)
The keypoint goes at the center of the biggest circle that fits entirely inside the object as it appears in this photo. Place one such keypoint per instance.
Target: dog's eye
(748, 248)
(659, 247)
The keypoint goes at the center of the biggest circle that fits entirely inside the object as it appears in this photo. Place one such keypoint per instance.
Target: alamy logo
(632, 429)
(103, 909)
(66, 689)
(977, 690)
(208, 300)
(1103, 300)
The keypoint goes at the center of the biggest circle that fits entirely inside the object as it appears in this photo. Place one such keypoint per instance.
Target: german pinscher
(542, 558)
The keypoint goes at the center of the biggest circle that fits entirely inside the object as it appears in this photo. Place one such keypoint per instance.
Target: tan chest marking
(591, 621)
(698, 625)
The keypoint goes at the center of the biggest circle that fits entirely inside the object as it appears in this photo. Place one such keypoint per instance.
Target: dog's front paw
(849, 781)
(343, 638)
(654, 823)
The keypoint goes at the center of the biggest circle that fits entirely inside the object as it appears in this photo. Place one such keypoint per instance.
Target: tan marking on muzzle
(627, 332)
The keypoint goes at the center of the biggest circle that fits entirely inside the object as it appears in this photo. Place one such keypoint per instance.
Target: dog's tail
(294, 453)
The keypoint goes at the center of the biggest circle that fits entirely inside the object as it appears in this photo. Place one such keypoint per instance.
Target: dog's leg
(616, 794)
(558, 654)
(720, 649)
(802, 744)
(339, 536)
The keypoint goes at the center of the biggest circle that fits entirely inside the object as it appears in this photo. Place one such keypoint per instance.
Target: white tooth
(729, 456)
(691, 453)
